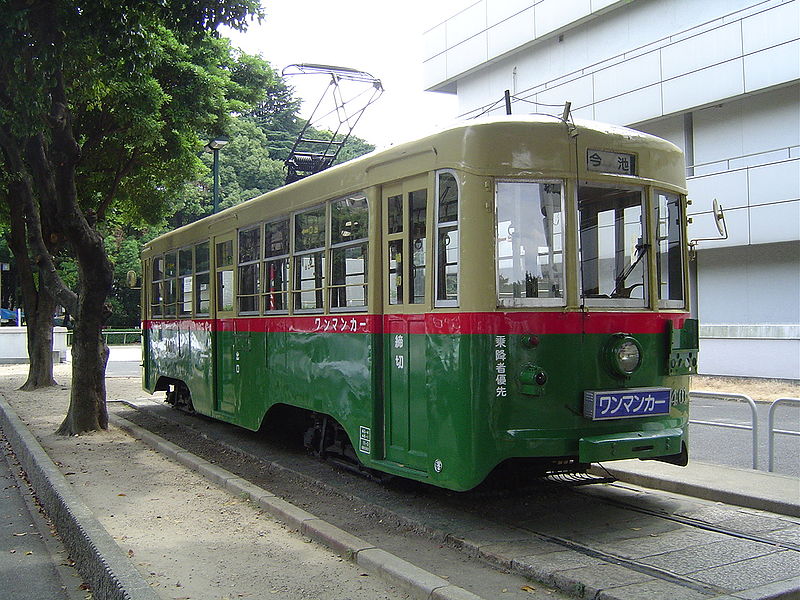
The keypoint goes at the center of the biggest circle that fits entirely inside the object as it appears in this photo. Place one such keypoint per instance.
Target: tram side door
(406, 299)
(225, 359)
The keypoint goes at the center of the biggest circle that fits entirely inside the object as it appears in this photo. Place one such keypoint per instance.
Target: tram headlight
(624, 355)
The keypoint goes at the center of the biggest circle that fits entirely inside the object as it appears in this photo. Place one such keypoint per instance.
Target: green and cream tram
(510, 288)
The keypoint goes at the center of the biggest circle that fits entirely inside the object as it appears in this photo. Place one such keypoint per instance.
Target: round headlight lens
(628, 356)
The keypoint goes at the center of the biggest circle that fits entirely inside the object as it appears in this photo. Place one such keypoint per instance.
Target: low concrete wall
(14, 344)
(744, 350)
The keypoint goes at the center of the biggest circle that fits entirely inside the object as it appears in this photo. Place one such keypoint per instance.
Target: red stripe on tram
(474, 323)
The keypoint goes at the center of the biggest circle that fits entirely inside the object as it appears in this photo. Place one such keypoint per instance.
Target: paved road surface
(733, 447)
(28, 569)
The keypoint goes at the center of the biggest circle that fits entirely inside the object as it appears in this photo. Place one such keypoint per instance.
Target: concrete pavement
(741, 487)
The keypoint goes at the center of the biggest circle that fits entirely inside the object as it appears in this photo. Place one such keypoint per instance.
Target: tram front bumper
(637, 444)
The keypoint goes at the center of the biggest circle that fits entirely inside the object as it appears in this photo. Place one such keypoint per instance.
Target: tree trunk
(40, 343)
(39, 304)
(87, 399)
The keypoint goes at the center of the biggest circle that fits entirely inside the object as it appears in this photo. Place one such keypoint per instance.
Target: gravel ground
(760, 390)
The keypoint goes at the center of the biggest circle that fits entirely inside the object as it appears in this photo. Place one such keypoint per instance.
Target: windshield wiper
(620, 291)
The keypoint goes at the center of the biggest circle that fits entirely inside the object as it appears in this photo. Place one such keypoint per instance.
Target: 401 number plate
(622, 404)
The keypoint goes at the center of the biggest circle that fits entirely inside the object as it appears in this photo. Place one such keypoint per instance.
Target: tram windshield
(669, 240)
(613, 245)
(529, 243)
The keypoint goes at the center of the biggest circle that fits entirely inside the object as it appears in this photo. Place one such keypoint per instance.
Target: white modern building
(719, 78)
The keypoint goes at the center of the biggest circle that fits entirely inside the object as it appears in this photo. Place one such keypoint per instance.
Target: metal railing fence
(739, 397)
(114, 337)
(773, 431)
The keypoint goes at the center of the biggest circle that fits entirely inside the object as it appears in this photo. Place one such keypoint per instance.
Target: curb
(411, 579)
(98, 558)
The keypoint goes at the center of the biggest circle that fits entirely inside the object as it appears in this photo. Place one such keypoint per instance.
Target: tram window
(529, 242)
(276, 238)
(349, 276)
(613, 246)
(201, 257)
(249, 245)
(395, 214)
(447, 240)
(185, 268)
(309, 260)
(349, 218)
(157, 287)
(249, 267)
(225, 254)
(276, 279)
(276, 271)
(225, 290)
(170, 284)
(309, 230)
(309, 277)
(248, 288)
(170, 298)
(170, 265)
(396, 272)
(418, 203)
(201, 279)
(669, 246)
(349, 230)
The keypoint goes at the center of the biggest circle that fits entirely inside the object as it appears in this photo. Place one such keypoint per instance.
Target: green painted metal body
(426, 405)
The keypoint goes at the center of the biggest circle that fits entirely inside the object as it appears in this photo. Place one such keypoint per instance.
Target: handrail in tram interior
(773, 431)
(754, 417)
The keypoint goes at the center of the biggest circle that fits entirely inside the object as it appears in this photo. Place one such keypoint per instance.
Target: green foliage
(146, 84)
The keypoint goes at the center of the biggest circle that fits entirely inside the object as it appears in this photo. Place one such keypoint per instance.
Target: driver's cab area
(617, 255)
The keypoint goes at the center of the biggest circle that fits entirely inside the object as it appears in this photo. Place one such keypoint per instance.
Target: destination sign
(604, 161)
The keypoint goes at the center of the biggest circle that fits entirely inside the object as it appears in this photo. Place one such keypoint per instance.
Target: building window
(447, 240)
(349, 231)
(613, 246)
(249, 268)
(276, 265)
(530, 221)
(669, 246)
(309, 260)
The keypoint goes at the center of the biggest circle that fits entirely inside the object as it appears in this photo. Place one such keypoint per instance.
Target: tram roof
(542, 148)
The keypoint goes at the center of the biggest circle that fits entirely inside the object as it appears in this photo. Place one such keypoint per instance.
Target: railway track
(557, 531)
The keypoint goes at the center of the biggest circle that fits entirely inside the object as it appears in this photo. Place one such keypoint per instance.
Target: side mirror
(719, 220)
(132, 279)
(722, 228)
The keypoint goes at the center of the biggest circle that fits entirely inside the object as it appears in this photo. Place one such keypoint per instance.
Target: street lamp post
(214, 147)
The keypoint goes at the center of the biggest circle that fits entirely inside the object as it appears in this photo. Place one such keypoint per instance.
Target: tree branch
(40, 252)
(120, 174)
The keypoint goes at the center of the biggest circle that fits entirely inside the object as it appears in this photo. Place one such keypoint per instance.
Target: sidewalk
(33, 563)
